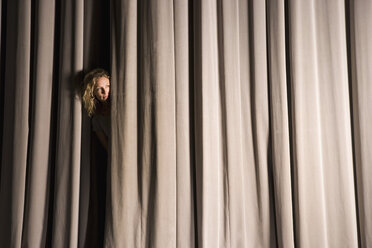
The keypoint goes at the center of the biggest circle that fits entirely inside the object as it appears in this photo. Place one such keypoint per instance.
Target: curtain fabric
(234, 123)
(45, 163)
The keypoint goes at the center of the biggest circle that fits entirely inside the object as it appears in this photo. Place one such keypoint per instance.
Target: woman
(96, 99)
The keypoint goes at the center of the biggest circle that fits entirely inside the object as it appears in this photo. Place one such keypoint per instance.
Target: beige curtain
(241, 124)
(234, 123)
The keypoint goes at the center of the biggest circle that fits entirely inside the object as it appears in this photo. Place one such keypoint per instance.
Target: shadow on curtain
(234, 124)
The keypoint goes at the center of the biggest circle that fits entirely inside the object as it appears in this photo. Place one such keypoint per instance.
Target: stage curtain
(234, 124)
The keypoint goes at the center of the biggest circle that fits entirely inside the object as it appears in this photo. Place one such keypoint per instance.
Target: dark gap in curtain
(105, 55)
(270, 165)
(151, 215)
(53, 123)
(222, 93)
(97, 198)
(150, 12)
(97, 35)
(9, 213)
(140, 111)
(96, 55)
(8, 129)
(86, 140)
(287, 20)
(3, 31)
(192, 116)
(349, 21)
(31, 111)
(197, 140)
(140, 105)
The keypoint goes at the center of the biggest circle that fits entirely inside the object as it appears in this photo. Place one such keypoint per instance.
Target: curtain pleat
(68, 136)
(163, 121)
(185, 194)
(322, 144)
(360, 13)
(234, 124)
(38, 177)
(124, 143)
(15, 124)
(280, 123)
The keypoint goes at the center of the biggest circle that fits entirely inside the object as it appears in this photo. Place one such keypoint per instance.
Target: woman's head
(96, 89)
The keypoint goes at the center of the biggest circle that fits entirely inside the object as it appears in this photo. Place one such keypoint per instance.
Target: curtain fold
(38, 179)
(280, 123)
(124, 69)
(360, 75)
(323, 165)
(234, 124)
(15, 125)
(185, 193)
(68, 136)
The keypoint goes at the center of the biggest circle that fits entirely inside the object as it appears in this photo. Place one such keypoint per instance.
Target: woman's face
(102, 90)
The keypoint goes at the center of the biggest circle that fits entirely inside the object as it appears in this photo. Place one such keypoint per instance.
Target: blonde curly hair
(90, 82)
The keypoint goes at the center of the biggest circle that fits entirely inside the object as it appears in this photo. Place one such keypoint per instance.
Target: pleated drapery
(234, 123)
(45, 163)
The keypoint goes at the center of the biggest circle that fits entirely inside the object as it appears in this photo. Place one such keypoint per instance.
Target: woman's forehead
(102, 81)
